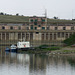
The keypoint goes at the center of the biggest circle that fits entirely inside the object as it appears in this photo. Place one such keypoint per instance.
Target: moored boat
(7, 49)
(13, 48)
(24, 45)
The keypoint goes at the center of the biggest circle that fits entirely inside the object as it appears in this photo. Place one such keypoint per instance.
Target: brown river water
(35, 64)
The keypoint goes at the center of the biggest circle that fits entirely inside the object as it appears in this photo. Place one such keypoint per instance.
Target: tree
(55, 17)
(17, 14)
(70, 40)
(1, 13)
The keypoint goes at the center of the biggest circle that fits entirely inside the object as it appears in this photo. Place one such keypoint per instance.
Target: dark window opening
(35, 28)
(31, 26)
(27, 28)
(56, 28)
(39, 25)
(43, 20)
(36, 20)
(47, 28)
(64, 28)
(58, 34)
(35, 23)
(72, 28)
(3, 27)
(11, 27)
(19, 28)
(37, 32)
(31, 20)
(43, 28)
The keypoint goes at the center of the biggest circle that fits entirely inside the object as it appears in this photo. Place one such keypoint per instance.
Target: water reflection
(36, 64)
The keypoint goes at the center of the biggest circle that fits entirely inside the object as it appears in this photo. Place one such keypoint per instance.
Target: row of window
(64, 28)
(35, 23)
(32, 20)
(36, 28)
(32, 27)
(11, 27)
(56, 28)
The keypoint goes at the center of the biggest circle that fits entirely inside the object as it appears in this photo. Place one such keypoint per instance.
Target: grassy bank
(64, 50)
(40, 49)
(50, 50)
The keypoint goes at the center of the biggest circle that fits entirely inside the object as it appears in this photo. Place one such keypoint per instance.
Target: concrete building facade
(38, 31)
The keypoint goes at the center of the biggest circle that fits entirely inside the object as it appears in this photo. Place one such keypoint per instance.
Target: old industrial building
(38, 30)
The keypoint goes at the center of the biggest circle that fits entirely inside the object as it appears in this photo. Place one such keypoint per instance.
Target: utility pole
(45, 13)
(46, 17)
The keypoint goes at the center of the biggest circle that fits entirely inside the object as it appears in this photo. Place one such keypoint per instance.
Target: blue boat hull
(7, 50)
(13, 50)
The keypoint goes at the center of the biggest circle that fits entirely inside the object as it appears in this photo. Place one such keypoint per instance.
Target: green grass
(9, 18)
(13, 18)
(69, 51)
(59, 20)
(48, 48)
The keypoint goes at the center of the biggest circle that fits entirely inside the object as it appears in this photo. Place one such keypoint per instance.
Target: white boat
(13, 48)
(24, 45)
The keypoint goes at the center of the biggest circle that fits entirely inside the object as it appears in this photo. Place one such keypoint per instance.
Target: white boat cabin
(25, 44)
(13, 46)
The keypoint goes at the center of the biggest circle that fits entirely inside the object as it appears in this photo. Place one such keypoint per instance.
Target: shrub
(54, 48)
(43, 46)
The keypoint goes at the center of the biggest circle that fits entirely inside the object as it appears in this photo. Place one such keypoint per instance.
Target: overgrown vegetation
(48, 48)
(13, 18)
(70, 41)
(41, 49)
(4, 17)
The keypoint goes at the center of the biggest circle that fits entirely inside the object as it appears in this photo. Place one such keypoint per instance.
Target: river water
(36, 64)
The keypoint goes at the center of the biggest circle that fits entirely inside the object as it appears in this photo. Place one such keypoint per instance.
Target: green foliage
(55, 17)
(43, 46)
(47, 48)
(13, 18)
(70, 41)
(17, 18)
(54, 48)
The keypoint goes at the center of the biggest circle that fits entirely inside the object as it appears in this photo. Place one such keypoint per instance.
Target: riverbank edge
(62, 51)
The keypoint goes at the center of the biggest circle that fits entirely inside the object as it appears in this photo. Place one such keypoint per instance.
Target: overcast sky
(63, 9)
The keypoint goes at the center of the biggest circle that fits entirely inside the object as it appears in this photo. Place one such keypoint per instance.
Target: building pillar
(61, 36)
(1, 36)
(64, 35)
(56, 36)
(29, 36)
(25, 36)
(5, 36)
(39, 36)
(68, 35)
(9, 36)
(44, 36)
(48, 36)
(21, 36)
(52, 36)
(16, 36)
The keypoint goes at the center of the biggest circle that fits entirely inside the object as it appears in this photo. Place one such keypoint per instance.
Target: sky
(63, 9)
